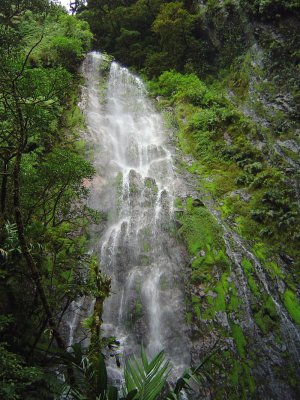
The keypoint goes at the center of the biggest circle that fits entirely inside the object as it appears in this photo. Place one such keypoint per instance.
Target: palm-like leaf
(147, 378)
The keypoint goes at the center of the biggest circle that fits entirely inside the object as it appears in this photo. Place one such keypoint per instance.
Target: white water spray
(134, 187)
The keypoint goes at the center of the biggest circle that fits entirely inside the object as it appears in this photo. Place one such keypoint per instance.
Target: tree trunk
(35, 273)
(4, 185)
(28, 257)
(103, 288)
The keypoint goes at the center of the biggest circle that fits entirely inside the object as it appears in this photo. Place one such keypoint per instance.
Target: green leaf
(131, 395)
(147, 379)
(112, 393)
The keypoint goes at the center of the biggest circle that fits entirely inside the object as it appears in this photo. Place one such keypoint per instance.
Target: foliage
(292, 305)
(40, 48)
(161, 35)
(148, 379)
(187, 87)
(230, 126)
(65, 41)
(43, 199)
(16, 378)
(144, 380)
(240, 340)
(173, 24)
(268, 8)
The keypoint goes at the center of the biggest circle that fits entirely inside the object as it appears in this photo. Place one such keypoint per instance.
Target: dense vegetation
(45, 263)
(226, 75)
(158, 35)
(43, 212)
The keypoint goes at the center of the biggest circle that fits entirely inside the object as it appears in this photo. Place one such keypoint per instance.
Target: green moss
(145, 260)
(266, 317)
(119, 180)
(251, 381)
(178, 203)
(274, 270)
(240, 377)
(249, 272)
(271, 308)
(220, 137)
(138, 311)
(189, 318)
(236, 371)
(136, 314)
(292, 305)
(247, 265)
(263, 322)
(151, 184)
(163, 283)
(146, 247)
(239, 338)
(133, 189)
(201, 231)
(118, 183)
(221, 289)
(196, 306)
(261, 251)
(234, 299)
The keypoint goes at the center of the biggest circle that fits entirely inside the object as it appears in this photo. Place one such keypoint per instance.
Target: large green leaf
(99, 374)
(147, 378)
(130, 396)
(112, 393)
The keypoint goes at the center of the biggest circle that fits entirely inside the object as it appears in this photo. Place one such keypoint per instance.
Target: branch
(28, 55)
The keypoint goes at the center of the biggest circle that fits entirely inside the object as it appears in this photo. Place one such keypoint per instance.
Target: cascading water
(134, 187)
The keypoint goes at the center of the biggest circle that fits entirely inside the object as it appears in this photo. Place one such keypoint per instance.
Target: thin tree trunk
(4, 185)
(35, 273)
(27, 255)
(103, 288)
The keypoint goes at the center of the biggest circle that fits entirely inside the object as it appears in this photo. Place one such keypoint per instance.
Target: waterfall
(135, 185)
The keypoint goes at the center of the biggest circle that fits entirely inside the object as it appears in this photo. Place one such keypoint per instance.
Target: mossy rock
(291, 303)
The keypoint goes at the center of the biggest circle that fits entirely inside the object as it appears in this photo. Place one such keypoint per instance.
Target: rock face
(245, 305)
(247, 326)
(237, 296)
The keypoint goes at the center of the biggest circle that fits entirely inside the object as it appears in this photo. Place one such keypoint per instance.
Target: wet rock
(291, 145)
(155, 151)
(227, 139)
(212, 294)
(221, 318)
(281, 287)
(280, 152)
(184, 120)
(235, 319)
(150, 183)
(165, 200)
(246, 197)
(178, 224)
(198, 203)
(135, 183)
(284, 102)
(286, 258)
